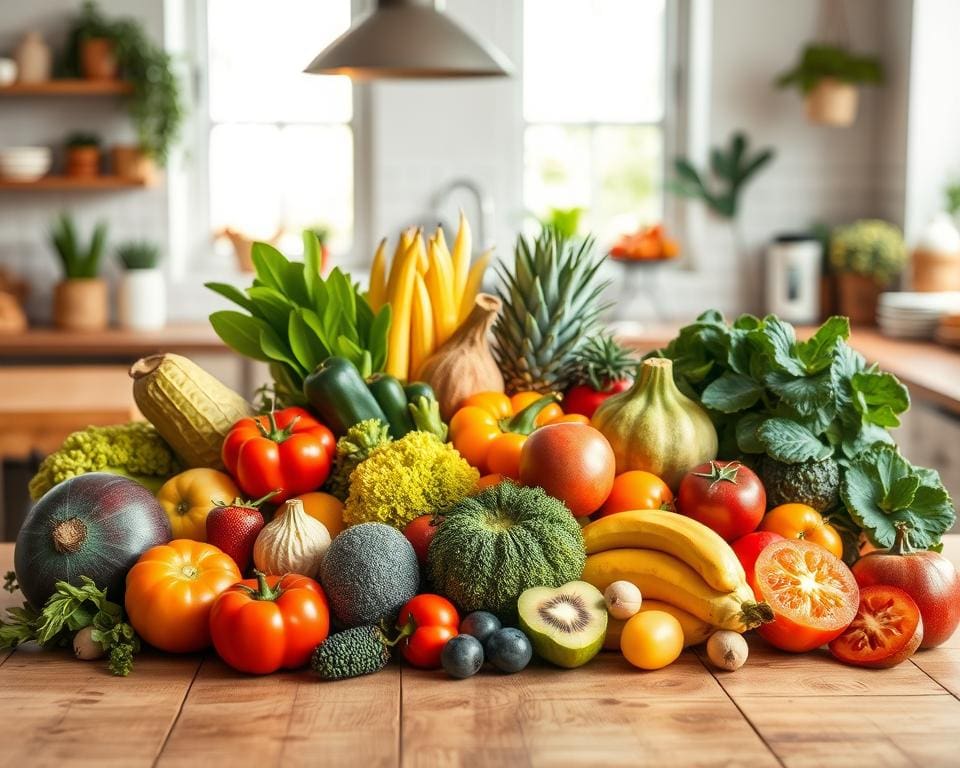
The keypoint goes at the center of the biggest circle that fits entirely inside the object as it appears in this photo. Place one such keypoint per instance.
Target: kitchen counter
(780, 709)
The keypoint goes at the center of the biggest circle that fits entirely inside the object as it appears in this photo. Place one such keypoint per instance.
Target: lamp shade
(409, 39)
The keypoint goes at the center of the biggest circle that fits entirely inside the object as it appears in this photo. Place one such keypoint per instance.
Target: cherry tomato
(584, 399)
(748, 548)
(886, 631)
(813, 595)
(651, 639)
(488, 481)
(419, 533)
(426, 622)
(636, 489)
(798, 521)
(723, 495)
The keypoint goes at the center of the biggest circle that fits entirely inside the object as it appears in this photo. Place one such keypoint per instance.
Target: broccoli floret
(814, 483)
(351, 653)
(415, 475)
(361, 440)
(134, 450)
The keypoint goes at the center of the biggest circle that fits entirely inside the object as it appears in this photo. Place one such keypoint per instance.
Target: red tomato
(426, 623)
(813, 595)
(725, 496)
(930, 579)
(798, 521)
(584, 399)
(886, 631)
(572, 462)
(637, 489)
(419, 533)
(268, 623)
(287, 451)
(748, 548)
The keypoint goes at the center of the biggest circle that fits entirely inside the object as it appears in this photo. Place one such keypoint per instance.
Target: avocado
(814, 483)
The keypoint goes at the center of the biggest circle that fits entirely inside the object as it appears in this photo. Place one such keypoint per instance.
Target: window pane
(257, 53)
(593, 61)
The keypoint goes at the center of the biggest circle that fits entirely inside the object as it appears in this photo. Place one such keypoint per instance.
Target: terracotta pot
(858, 295)
(83, 161)
(130, 162)
(935, 270)
(81, 304)
(98, 59)
(34, 59)
(833, 102)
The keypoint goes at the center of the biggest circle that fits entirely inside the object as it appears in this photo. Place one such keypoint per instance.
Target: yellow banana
(659, 576)
(439, 281)
(421, 326)
(474, 280)
(403, 245)
(683, 537)
(401, 299)
(378, 276)
(695, 631)
(462, 249)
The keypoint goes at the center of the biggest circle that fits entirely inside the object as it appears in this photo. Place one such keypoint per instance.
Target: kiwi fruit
(566, 625)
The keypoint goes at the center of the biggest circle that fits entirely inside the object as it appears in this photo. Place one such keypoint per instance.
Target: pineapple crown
(600, 361)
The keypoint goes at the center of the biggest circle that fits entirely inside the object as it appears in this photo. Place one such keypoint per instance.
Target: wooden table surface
(185, 339)
(779, 709)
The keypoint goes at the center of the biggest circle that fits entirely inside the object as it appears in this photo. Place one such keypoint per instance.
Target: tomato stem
(263, 590)
(718, 474)
(901, 544)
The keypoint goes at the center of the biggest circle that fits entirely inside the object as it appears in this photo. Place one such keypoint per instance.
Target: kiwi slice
(566, 625)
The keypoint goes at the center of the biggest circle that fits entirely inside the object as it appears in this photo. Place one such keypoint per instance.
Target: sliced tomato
(813, 594)
(886, 630)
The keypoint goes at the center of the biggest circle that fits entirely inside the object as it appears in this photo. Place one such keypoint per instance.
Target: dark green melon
(493, 546)
(94, 525)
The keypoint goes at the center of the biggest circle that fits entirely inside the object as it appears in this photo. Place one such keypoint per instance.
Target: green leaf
(234, 294)
(347, 348)
(295, 284)
(269, 264)
(805, 394)
(879, 397)
(731, 393)
(789, 442)
(379, 339)
(747, 440)
(272, 306)
(304, 342)
(276, 349)
(817, 352)
(901, 493)
(776, 340)
(240, 332)
(311, 263)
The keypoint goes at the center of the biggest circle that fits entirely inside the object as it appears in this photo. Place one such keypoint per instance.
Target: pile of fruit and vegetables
(467, 480)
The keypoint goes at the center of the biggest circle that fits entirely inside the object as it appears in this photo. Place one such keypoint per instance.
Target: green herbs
(138, 255)
(869, 247)
(297, 319)
(68, 610)
(78, 261)
(821, 62)
(883, 491)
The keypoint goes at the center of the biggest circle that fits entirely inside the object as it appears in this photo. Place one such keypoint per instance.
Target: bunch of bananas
(430, 289)
(680, 566)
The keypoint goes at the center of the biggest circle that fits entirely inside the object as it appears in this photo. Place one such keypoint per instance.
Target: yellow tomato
(798, 521)
(187, 499)
(325, 508)
(651, 640)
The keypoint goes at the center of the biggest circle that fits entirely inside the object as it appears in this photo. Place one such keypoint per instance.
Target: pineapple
(600, 361)
(551, 304)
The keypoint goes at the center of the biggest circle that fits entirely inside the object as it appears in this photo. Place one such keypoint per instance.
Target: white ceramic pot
(8, 72)
(142, 300)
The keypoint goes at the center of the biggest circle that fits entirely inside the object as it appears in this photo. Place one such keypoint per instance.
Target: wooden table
(780, 709)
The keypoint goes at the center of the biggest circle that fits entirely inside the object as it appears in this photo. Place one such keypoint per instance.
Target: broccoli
(351, 653)
(361, 440)
(415, 475)
(134, 450)
(814, 483)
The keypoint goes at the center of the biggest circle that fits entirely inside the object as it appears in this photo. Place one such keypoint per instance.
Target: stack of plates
(915, 315)
(948, 331)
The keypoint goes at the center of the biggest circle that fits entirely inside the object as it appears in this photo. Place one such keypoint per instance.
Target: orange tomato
(636, 489)
(799, 521)
(187, 499)
(489, 480)
(573, 418)
(503, 456)
(171, 589)
(325, 508)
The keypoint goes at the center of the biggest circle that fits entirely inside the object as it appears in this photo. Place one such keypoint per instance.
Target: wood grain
(72, 184)
(69, 87)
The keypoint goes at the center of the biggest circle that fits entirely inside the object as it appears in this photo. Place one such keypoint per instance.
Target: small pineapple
(600, 361)
(551, 304)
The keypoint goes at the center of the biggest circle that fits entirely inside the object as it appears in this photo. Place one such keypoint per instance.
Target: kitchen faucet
(483, 201)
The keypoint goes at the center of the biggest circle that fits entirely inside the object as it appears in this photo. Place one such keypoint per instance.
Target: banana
(683, 537)
(403, 245)
(474, 280)
(439, 279)
(378, 277)
(695, 631)
(462, 248)
(421, 326)
(401, 300)
(663, 577)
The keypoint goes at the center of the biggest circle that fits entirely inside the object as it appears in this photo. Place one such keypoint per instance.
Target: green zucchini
(417, 389)
(339, 395)
(388, 392)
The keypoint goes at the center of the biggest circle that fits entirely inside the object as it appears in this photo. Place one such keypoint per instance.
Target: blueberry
(480, 624)
(462, 656)
(509, 650)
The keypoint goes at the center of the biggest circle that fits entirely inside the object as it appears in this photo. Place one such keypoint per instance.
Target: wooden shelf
(75, 87)
(71, 183)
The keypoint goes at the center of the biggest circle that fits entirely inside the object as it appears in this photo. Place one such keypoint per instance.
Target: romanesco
(134, 450)
(361, 440)
(415, 475)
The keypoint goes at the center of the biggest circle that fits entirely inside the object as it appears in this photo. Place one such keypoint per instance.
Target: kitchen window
(594, 106)
(280, 142)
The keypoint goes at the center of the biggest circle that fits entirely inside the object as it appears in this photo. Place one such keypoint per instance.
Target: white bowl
(25, 163)
(8, 72)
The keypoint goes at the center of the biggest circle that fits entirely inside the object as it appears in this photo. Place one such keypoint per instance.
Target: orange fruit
(325, 508)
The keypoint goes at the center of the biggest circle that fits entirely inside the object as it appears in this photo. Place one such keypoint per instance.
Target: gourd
(293, 542)
(654, 427)
(192, 410)
(94, 525)
(464, 364)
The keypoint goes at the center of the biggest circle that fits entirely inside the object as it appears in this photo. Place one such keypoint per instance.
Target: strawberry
(233, 528)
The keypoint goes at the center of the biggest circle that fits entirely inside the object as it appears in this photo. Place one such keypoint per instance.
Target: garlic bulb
(293, 542)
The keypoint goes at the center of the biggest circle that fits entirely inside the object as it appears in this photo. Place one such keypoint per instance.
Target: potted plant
(142, 295)
(868, 256)
(828, 76)
(80, 299)
(83, 155)
(92, 45)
